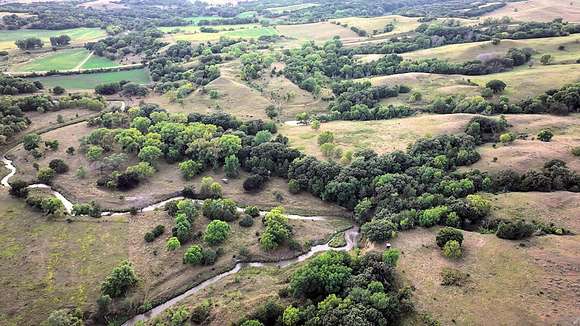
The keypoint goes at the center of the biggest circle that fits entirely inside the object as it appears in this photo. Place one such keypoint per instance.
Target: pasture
(318, 32)
(563, 49)
(89, 81)
(370, 25)
(193, 33)
(67, 59)
(540, 10)
(77, 35)
(292, 8)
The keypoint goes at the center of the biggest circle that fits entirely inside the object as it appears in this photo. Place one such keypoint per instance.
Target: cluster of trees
(337, 288)
(14, 85)
(253, 64)
(144, 42)
(554, 176)
(443, 32)
(30, 43)
(58, 41)
(561, 101)
(277, 230)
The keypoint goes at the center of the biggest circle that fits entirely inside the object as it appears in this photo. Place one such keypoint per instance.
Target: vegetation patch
(90, 81)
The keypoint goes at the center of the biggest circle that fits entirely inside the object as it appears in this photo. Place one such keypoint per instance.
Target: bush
(254, 183)
(201, 313)
(58, 90)
(246, 222)
(447, 234)
(453, 277)
(45, 175)
(432, 216)
(576, 151)
(379, 230)
(253, 211)
(515, 230)
(507, 138)
(545, 135)
(193, 255)
(391, 256)
(65, 317)
(155, 233)
(173, 244)
(452, 249)
(18, 188)
(58, 165)
(122, 278)
(216, 232)
(497, 86)
(293, 186)
(325, 137)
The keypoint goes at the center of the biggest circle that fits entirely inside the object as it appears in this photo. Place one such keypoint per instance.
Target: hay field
(78, 36)
(540, 10)
(318, 32)
(89, 81)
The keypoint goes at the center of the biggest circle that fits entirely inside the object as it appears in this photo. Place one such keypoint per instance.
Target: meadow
(193, 33)
(89, 81)
(402, 24)
(77, 35)
(67, 59)
(281, 10)
(539, 10)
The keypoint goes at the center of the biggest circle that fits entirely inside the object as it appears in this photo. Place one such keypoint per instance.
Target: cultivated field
(485, 50)
(540, 10)
(89, 81)
(67, 59)
(78, 36)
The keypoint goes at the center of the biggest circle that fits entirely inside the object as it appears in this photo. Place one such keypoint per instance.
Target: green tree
(452, 249)
(302, 118)
(45, 175)
(291, 316)
(173, 244)
(497, 86)
(121, 280)
(447, 234)
(141, 123)
(31, 141)
(232, 167)
(190, 169)
(315, 124)
(193, 255)
(546, 59)
(143, 169)
(252, 322)
(263, 136)
(65, 317)
(216, 232)
(52, 206)
(391, 257)
(94, 153)
(326, 137)
(229, 145)
(150, 154)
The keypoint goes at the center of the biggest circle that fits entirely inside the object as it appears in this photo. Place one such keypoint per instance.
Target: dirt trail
(84, 61)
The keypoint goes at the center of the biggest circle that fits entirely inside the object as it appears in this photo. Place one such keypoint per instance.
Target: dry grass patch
(318, 32)
(540, 10)
(508, 284)
(370, 24)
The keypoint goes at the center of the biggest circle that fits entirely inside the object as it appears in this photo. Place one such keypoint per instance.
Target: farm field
(68, 59)
(281, 10)
(193, 34)
(318, 32)
(77, 35)
(540, 10)
(483, 50)
(89, 81)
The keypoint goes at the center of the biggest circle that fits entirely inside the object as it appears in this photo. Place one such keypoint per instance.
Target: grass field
(49, 264)
(78, 36)
(192, 33)
(247, 14)
(318, 32)
(540, 10)
(281, 10)
(89, 81)
(67, 59)
(195, 20)
(483, 50)
(402, 24)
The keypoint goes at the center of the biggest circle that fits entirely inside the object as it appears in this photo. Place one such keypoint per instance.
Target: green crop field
(65, 60)
(193, 33)
(89, 81)
(78, 35)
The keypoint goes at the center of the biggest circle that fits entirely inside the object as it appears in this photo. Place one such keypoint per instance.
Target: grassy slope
(61, 60)
(98, 62)
(402, 24)
(481, 50)
(192, 32)
(45, 264)
(280, 10)
(78, 35)
(89, 81)
(540, 10)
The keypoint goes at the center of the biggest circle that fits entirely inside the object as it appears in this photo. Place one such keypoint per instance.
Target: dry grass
(402, 24)
(540, 10)
(318, 32)
(508, 284)
(484, 50)
(50, 264)
(523, 155)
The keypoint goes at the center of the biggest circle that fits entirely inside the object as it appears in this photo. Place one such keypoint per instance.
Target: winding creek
(351, 236)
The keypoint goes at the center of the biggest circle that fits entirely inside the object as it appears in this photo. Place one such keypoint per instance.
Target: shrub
(122, 278)
(507, 138)
(453, 277)
(447, 234)
(155, 233)
(190, 169)
(18, 188)
(246, 222)
(58, 90)
(253, 211)
(545, 135)
(432, 216)
(515, 230)
(452, 249)
(294, 186)
(379, 230)
(193, 255)
(325, 137)
(201, 313)
(576, 151)
(254, 183)
(216, 232)
(45, 175)
(497, 86)
(173, 244)
(65, 317)
(58, 165)
(391, 256)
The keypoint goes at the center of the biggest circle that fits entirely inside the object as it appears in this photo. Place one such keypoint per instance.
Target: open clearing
(89, 81)
(540, 10)
(370, 25)
(65, 60)
(485, 50)
(77, 35)
(193, 33)
(385, 136)
(508, 284)
(318, 32)
(49, 264)
(281, 10)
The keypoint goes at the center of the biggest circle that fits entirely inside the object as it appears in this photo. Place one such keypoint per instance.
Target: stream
(351, 236)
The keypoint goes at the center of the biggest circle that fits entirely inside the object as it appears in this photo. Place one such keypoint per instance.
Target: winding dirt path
(84, 61)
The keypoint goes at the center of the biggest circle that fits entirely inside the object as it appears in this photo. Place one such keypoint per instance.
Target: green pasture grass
(89, 81)
(78, 35)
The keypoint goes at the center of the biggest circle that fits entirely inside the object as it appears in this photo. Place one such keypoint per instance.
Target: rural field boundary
(75, 71)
